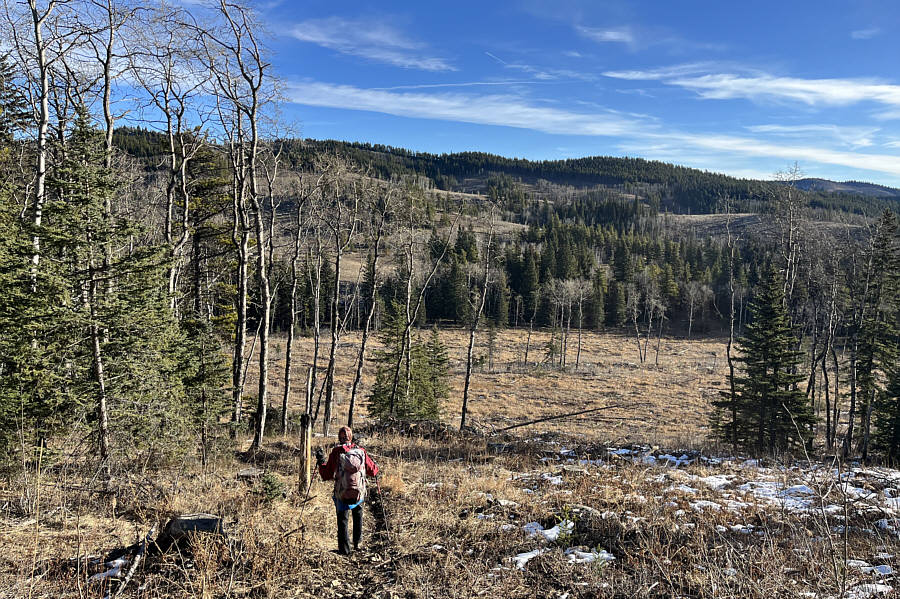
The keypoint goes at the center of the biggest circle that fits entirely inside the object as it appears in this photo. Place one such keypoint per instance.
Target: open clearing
(582, 507)
(666, 405)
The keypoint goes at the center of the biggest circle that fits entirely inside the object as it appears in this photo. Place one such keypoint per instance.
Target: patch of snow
(550, 478)
(576, 556)
(795, 498)
(534, 529)
(675, 461)
(522, 559)
(702, 505)
(614, 451)
(864, 591)
(717, 482)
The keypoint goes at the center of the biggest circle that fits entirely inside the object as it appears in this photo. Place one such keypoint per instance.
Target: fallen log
(570, 414)
(178, 529)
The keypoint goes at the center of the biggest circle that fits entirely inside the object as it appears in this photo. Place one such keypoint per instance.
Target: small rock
(249, 473)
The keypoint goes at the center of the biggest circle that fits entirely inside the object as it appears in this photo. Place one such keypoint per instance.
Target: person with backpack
(347, 465)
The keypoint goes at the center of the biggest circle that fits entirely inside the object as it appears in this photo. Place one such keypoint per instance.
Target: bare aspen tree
(381, 205)
(477, 303)
(731, 242)
(166, 63)
(301, 199)
(242, 84)
(341, 218)
(582, 289)
(633, 307)
(411, 241)
(787, 217)
(535, 304)
(40, 39)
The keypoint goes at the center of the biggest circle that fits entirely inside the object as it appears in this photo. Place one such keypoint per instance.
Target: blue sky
(744, 88)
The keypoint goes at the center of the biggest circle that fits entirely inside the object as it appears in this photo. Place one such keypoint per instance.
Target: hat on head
(345, 434)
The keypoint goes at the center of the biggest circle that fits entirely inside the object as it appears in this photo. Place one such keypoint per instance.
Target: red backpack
(350, 482)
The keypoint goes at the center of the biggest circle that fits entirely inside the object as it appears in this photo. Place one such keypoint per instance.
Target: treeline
(676, 188)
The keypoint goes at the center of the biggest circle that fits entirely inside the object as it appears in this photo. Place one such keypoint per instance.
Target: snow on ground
(731, 487)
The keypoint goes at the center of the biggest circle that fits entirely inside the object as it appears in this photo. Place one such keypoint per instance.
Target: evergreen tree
(769, 412)
(429, 369)
(887, 416)
(530, 283)
(597, 301)
(435, 379)
(878, 349)
(128, 354)
(616, 312)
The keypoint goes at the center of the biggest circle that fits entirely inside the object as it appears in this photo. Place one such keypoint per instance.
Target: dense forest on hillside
(664, 186)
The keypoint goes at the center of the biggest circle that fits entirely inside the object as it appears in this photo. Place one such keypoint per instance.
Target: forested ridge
(666, 186)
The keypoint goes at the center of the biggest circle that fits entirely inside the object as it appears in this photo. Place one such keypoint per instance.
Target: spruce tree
(887, 417)
(429, 367)
(615, 304)
(128, 360)
(769, 412)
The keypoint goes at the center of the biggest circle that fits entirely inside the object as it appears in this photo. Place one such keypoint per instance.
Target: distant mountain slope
(851, 187)
(663, 186)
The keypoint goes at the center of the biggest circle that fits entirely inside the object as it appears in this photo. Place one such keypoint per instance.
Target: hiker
(347, 466)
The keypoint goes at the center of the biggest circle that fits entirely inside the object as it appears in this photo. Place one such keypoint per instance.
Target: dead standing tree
(381, 205)
(477, 301)
(341, 218)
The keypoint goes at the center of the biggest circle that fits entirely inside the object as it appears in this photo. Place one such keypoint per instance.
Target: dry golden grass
(666, 405)
(443, 533)
(441, 530)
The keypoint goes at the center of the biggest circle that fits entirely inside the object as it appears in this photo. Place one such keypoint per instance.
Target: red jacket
(329, 469)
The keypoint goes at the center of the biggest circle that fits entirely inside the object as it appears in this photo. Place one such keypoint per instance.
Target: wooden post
(306, 439)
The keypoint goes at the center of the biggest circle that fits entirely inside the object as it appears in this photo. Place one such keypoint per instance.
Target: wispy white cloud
(639, 135)
(597, 34)
(865, 34)
(884, 163)
(728, 86)
(856, 137)
(501, 83)
(543, 73)
(372, 40)
(495, 109)
(664, 73)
